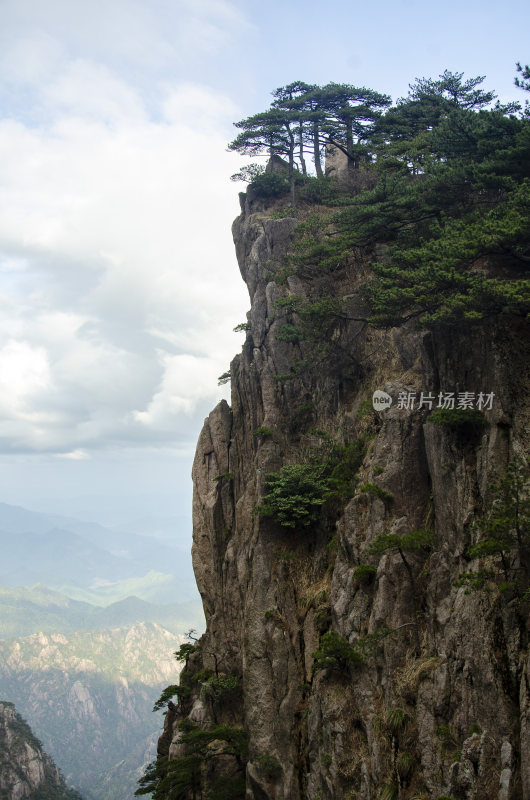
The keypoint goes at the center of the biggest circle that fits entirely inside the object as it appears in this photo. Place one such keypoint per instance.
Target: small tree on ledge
(412, 542)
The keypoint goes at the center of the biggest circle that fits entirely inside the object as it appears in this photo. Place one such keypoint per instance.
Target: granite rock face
(26, 771)
(440, 706)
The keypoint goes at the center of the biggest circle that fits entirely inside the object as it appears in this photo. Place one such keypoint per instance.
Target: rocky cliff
(25, 769)
(372, 656)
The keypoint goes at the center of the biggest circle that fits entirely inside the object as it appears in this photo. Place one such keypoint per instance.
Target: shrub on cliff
(503, 536)
(174, 690)
(297, 492)
(467, 424)
(270, 184)
(185, 651)
(294, 495)
(269, 766)
(406, 545)
(335, 652)
(458, 418)
(220, 687)
(186, 774)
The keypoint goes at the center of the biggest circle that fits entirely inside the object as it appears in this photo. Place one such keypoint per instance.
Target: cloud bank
(119, 287)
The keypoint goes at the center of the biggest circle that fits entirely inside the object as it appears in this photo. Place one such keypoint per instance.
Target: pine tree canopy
(446, 222)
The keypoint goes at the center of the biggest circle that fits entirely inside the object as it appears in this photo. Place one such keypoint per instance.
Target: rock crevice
(439, 704)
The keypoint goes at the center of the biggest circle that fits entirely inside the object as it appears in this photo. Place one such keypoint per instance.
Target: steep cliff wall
(26, 771)
(432, 698)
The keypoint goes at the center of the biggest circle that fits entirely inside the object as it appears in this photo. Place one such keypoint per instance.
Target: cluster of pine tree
(449, 191)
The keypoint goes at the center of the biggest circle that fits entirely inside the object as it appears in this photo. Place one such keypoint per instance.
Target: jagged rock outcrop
(26, 771)
(439, 705)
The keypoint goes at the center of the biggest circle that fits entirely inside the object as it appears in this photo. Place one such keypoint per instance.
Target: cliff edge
(356, 645)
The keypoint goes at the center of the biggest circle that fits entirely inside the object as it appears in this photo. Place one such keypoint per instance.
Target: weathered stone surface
(25, 769)
(455, 663)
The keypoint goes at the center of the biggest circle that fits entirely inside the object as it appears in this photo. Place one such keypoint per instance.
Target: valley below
(87, 639)
(89, 697)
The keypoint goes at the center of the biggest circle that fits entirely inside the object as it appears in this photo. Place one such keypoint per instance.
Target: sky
(119, 287)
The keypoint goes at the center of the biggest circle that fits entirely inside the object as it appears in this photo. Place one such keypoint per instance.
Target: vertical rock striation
(26, 771)
(438, 704)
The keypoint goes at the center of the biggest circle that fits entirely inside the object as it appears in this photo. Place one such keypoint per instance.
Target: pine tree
(405, 545)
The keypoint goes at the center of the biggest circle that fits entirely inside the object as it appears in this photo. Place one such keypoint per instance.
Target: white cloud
(186, 380)
(190, 102)
(74, 455)
(30, 58)
(143, 40)
(23, 370)
(119, 282)
(92, 91)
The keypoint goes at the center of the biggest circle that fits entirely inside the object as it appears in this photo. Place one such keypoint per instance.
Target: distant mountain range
(90, 562)
(89, 619)
(88, 696)
(24, 611)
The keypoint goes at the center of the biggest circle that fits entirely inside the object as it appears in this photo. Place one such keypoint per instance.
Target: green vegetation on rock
(268, 765)
(294, 496)
(459, 419)
(447, 194)
(502, 537)
(335, 653)
(187, 772)
(407, 545)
